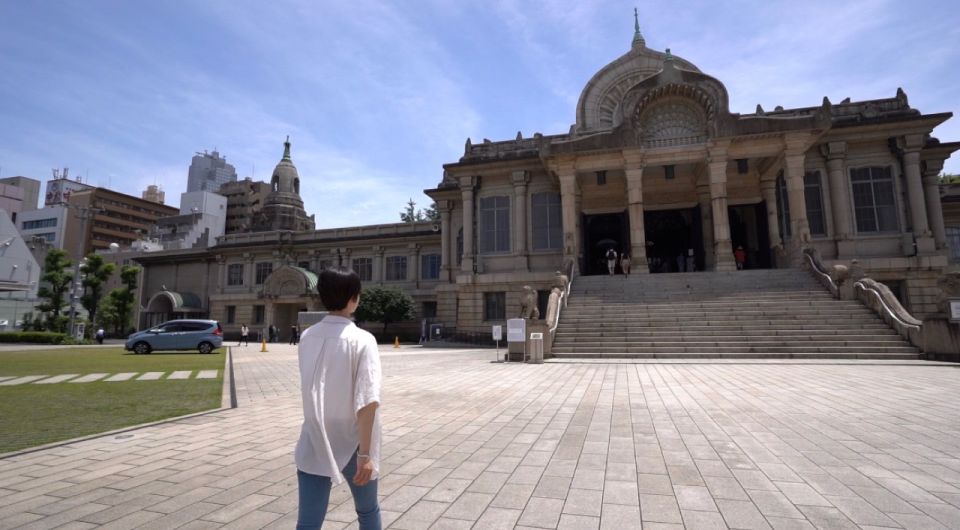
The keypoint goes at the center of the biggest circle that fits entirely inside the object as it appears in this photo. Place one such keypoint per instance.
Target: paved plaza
(474, 444)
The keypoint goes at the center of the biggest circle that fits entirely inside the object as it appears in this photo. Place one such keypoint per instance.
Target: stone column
(633, 167)
(520, 250)
(446, 263)
(706, 224)
(835, 152)
(768, 188)
(467, 185)
(793, 171)
(413, 267)
(918, 208)
(722, 246)
(222, 273)
(249, 272)
(931, 186)
(379, 273)
(568, 191)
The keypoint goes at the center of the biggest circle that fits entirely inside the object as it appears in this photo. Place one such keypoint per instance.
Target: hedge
(36, 337)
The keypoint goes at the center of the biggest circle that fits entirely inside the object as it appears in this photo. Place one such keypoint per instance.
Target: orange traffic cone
(396, 342)
(263, 345)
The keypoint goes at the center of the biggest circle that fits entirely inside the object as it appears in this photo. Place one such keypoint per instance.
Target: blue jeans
(315, 495)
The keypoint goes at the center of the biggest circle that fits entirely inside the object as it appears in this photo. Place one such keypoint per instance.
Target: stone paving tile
(89, 378)
(22, 380)
(123, 376)
(55, 379)
(150, 376)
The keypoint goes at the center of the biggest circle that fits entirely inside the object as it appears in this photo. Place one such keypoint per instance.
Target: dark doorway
(602, 232)
(748, 229)
(674, 240)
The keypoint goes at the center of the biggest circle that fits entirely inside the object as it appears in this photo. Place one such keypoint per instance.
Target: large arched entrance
(289, 291)
(602, 232)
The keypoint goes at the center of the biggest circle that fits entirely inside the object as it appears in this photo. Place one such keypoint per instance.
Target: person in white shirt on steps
(340, 385)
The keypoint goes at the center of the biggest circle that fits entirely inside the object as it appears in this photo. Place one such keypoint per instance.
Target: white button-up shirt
(339, 375)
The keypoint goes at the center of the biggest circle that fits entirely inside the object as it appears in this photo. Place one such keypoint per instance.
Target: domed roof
(599, 104)
(285, 173)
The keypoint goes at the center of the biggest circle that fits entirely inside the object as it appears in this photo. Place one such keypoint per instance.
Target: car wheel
(205, 347)
(141, 348)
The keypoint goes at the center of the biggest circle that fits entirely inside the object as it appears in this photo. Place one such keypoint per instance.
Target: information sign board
(516, 330)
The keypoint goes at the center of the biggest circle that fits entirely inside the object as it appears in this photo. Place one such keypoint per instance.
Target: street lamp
(83, 214)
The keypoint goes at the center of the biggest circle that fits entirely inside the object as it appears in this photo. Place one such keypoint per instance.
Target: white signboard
(497, 333)
(955, 310)
(516, 330)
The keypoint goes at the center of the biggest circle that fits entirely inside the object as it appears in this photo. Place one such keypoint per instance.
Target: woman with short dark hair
(340, 386)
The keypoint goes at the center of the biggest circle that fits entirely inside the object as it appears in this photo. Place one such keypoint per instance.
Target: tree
(55, 284)
(381, 304)
(411, 214)
(96, 272)
(107, 316)
(122, 298)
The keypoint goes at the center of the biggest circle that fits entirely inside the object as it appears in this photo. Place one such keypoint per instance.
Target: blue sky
(377, 95)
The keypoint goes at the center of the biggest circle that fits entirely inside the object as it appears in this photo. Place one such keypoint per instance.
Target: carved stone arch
(290, 281)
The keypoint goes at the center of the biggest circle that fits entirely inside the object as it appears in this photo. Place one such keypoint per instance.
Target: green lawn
(34, 415)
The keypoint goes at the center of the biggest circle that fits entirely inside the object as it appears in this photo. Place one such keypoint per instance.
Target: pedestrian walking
(611, 261)
(340, 382)
(294, 335)
(100, 335)
(625, 264)
(244, 335)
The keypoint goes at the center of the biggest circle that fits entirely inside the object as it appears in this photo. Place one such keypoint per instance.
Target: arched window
(296, 186)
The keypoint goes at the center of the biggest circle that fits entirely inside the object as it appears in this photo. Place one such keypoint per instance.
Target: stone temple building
(655, 165)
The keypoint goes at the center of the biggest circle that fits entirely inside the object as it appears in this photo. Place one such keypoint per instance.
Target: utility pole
(83, 213)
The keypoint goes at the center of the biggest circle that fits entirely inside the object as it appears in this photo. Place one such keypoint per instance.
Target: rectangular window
(263, 270)
(813, 195)
(601, 178)
(231, 314)
(543, 300)
(396, 269)
(668, 172)
(953, 242)
(430, 267)
(495, 306)
(235, 274)
(874, 202)
(547, 217)
(40, 223)
(743, 166)
(495, 224)
(783, 208)
(363, 267)
(48, 236)
(258, 314)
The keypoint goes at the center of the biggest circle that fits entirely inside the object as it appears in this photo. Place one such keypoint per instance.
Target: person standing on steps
(611, 261)
(740, 256)
(625, 264)
(244, 335)
(340, 383)
(294, 334)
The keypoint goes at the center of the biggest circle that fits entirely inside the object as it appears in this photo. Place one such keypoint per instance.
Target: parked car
(202, 335)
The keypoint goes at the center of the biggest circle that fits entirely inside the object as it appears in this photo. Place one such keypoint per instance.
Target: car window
(194, 326)
(172, 328)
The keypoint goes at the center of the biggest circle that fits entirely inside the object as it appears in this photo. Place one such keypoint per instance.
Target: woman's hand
(364, 471)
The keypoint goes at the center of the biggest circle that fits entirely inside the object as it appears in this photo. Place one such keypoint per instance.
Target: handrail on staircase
(820, 272)
(562, 302)
(878, 297)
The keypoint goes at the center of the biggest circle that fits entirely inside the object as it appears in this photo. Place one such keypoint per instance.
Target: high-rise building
(244, 202)
(209, 171)
(153, 193)
(31, 190)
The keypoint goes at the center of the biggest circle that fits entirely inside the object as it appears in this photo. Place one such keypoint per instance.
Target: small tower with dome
(283, 207)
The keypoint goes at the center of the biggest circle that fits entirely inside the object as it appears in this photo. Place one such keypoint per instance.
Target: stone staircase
(769, 314)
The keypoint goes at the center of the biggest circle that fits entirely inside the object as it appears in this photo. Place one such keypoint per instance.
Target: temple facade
(657, 167)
